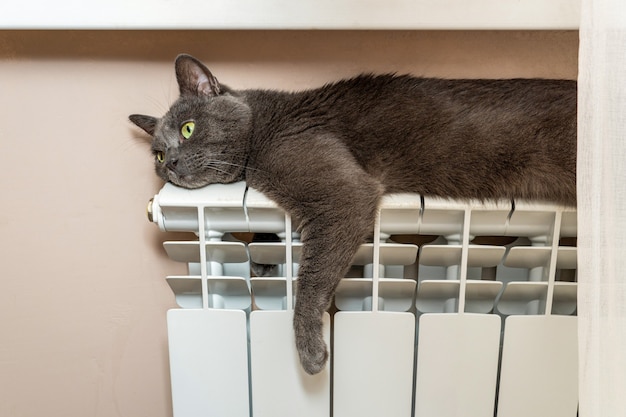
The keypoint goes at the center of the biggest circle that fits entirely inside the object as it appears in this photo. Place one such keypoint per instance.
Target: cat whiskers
(212, 164)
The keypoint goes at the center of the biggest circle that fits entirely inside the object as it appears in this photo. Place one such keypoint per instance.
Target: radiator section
(453, 309)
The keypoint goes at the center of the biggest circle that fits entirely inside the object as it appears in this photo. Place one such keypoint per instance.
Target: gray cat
(327, 155)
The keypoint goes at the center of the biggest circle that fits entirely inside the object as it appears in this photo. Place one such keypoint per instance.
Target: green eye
(187, 129)
(160, 156)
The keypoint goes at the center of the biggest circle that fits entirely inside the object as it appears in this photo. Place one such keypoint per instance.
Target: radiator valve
(149, 210)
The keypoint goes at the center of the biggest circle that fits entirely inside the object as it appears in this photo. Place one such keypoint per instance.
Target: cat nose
(171, 164)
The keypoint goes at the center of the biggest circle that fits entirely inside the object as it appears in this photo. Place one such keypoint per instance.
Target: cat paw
(310, 342)
(313, 357)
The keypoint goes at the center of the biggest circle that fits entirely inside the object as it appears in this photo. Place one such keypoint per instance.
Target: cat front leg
(330, 240)
(334, 201)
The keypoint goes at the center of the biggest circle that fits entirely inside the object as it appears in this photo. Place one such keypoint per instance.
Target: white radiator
(447, 328)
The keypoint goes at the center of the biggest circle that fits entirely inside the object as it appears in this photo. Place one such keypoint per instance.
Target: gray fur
(327, 156)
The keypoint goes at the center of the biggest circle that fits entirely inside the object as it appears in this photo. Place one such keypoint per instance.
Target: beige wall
(82, 289)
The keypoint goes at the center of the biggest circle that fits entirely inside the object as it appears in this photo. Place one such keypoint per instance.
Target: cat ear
(194, 78)
(147, 123)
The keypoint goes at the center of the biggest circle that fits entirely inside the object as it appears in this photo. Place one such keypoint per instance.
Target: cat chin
(189, 184)
(183, 181)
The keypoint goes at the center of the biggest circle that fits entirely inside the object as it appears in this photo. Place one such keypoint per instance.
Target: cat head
(203, 138)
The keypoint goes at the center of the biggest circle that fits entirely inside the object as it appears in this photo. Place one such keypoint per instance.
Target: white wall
(301, 14)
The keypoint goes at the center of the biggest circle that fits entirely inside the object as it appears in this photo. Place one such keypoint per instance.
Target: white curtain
(602, 208)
